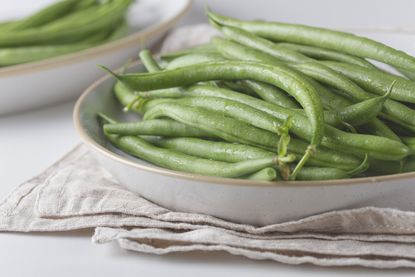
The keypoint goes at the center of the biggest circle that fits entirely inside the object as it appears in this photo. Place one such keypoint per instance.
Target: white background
(32, 141)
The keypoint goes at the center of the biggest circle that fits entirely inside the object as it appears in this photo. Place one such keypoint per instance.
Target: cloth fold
(76, 193)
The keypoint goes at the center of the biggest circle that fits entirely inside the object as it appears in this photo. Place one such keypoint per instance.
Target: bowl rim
(71, 58)
(211, 179)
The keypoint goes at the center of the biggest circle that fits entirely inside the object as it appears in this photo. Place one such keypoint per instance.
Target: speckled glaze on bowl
(244, 201)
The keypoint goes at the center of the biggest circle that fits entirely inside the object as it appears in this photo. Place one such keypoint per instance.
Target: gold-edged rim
(100, 50)
(209, 179)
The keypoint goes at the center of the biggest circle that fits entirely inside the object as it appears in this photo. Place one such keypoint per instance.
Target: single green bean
(272, 94)
(363, 112)
(410, 141)
(200, 49)
(325, 38)
(326, 54)
(379, 128)
(322, 173)
(148, 61)
(193, 59)
(12, 56)
(156, 127)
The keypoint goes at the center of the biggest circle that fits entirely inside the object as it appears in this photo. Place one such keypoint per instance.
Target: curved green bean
(199, 49)
(320, 37)
(326, 54)
(156, 127)
(410, 141)
(148, 61)
(266, 174)
(363, 112)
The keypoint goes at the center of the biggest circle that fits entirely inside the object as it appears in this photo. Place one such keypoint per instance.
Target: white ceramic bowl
(62, 78)
(244, 201)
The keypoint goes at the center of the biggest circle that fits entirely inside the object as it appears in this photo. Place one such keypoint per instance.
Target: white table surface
(32, 141)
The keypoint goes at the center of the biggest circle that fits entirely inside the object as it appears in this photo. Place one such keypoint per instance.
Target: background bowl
(244, 201)
(62, 78)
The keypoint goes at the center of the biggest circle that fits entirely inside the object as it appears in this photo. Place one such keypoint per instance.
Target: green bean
(200, 49)
(291, 82)
(239, 86)
(409, 165)
(156, 127)
(326, 54)
(329, 39)
(272, 94)
(72, 28)
(322, 173)
(119, 32)
(410, 141)
(378, 167)
(148, 61)
(377, 81)
(363, 112)
(46, 15)
(125, 96)
(12, 56)
(379, 128)
(266, 174)
(177, 161)
(388, 167)
(192, 59)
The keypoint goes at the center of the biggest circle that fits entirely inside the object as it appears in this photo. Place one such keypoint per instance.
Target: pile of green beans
(64, 27)
(271, 101)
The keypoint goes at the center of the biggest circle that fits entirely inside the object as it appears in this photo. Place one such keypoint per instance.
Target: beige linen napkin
(76, 193)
